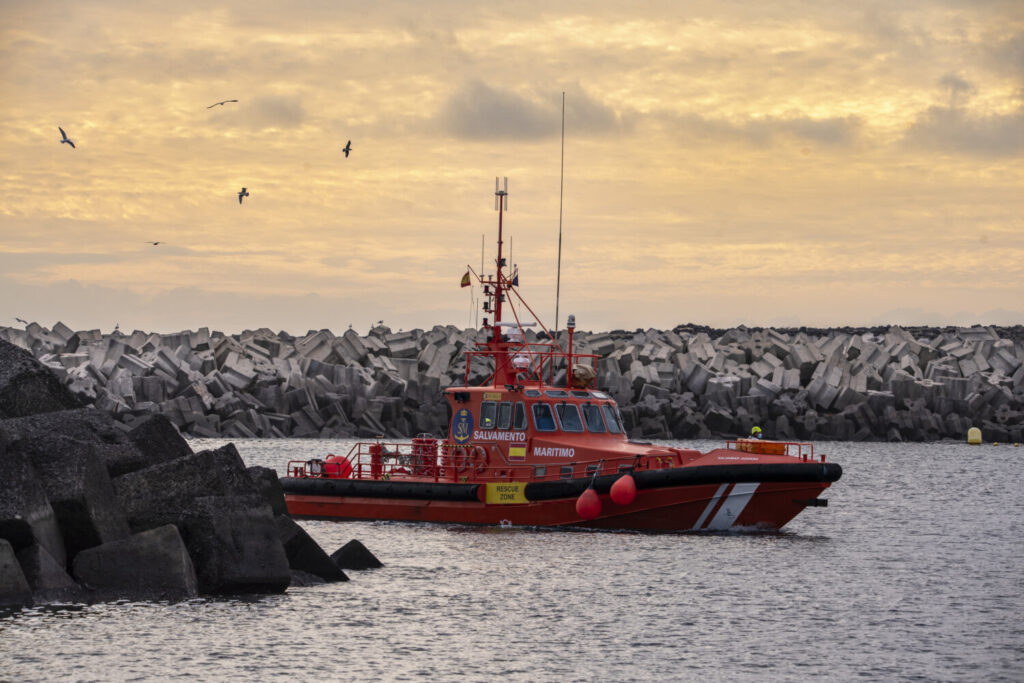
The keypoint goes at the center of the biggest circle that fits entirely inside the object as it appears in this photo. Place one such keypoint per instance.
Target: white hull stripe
(710, 506)
(733, 506)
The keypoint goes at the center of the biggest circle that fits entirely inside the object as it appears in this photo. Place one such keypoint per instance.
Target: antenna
(498, 194)
(561, 186)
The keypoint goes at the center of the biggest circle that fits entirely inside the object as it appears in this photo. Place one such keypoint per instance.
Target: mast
(501, 206)
(561, 187)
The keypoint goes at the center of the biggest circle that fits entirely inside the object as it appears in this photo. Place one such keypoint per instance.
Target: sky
(779, 163)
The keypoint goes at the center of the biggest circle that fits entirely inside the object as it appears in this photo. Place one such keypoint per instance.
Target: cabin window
(592, 417)
(569, 416)
(532, 393)
(543, 417)
(540, 471)
(591, 469)
(601, 395)
(566, 472)
(581, 394)
(504, 415)
(519, 420)
(611, 417)
(556, 393)
(487, 411)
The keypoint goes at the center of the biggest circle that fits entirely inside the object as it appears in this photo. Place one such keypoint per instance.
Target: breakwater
(91, 511)
(892, 383)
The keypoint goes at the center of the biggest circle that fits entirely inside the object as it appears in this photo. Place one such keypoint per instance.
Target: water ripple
(912, 573)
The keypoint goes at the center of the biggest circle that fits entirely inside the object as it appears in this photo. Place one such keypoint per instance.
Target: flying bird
(23, 322)
(154, 243)
(347, 148)
(65, 138)
(243, 193)
(221, 104)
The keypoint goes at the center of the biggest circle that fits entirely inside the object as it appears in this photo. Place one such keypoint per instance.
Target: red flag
(465, 279)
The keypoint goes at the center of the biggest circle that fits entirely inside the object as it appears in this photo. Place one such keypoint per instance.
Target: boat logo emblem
(462, 426)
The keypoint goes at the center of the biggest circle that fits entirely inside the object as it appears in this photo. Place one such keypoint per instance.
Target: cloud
(477, 111)
(953, 129)
(764, 131)
(274, 111)
(959, 89)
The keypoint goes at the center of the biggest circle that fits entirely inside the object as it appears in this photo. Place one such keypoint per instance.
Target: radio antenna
(561, 187)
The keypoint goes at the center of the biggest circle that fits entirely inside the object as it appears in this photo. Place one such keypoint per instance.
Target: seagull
(154, 243)
(243, 193)
(23, 322)
(347, 148)
(71, 142)
(215, 104)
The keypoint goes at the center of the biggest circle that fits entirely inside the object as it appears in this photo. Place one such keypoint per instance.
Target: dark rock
(234, 545)
(303, 552)
(27, 387)
(119, 458)
(14, 588)
(42, 572)
(157, 440)
(84, 424)
(152, 564)
(158, 494)
(269, 485)
(79, 490)
(26, 516)
(354, 555)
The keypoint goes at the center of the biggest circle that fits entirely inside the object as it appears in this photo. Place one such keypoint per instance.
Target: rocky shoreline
(882, 383)
(91, 510)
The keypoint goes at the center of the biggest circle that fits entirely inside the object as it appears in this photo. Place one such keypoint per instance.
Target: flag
(515, 280)
(465, 279)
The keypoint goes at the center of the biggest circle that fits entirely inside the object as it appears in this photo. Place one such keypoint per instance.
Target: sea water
(915, 571)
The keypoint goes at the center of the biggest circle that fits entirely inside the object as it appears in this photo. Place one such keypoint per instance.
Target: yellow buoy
(974, 436)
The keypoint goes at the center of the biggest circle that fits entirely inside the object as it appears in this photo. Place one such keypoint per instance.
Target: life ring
(481, 458)
(459, 459)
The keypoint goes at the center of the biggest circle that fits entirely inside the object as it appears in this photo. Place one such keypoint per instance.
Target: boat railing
(792, 449)
(428, 459)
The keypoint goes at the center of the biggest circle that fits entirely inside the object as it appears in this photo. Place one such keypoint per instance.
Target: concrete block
(822, 394)
(269, 486)
(238, 371)
(404, 349)
(26, 516)
(317, 345)
(304, 554)
(43, 573)
(156, 495)
(847, 397)
(157, 440)
(14, 588)
(698, 379)
(27, 387)
(152, 564)
(78, 487)
(234, 545)
(765, 388)
(350, 346)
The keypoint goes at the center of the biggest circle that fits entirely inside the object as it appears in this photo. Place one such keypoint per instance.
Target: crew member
(755, 432)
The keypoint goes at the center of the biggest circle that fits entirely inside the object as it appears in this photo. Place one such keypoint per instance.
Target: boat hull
(678, 499)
